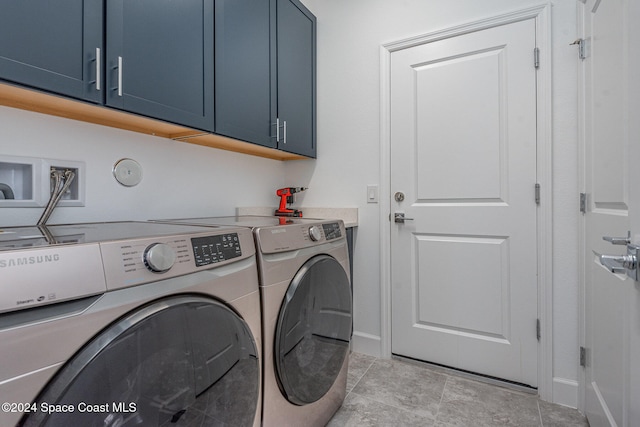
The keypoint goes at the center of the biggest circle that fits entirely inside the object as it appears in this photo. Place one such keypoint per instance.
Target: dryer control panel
(298, 236)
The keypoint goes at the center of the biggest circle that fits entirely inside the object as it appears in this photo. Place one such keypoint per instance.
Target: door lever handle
(618, 263)
(400, 218)
(618, 240)
(624, 263)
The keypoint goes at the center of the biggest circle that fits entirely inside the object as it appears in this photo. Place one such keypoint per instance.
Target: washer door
(185, 359)
(313, 330)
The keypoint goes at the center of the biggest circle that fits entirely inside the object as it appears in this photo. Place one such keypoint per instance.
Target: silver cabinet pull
(618, 240)
(277, 125)
(284, 131)
(400, 218)
(623, 263)
(98, 69)
(119, 75)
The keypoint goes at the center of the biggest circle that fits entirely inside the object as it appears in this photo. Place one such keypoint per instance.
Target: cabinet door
(160, 59)
(244, 84)
(52, 45)
(296, 40)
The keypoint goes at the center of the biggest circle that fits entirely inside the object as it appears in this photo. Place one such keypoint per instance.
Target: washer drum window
(313, 330)
(183, 360)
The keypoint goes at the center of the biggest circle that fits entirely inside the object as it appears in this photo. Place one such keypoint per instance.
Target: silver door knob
(400, 218)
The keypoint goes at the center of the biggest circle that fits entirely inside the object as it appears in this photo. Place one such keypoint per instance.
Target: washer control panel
(130, 263)
(213, 249)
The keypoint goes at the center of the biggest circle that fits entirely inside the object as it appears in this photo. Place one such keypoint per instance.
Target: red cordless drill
(286, 198)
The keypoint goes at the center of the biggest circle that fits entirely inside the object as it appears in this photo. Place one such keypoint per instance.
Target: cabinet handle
(119, 75)
(277, 130)
(284, 131)
(98, 69)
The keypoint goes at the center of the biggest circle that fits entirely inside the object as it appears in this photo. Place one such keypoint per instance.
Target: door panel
(611, 299)
(160, 59)
(246, 103)
(479, 145)
(52, 45)
(296, 39)
(463, 136)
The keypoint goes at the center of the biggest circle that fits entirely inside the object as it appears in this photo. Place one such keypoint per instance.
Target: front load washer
(306, 315)
(129, 324)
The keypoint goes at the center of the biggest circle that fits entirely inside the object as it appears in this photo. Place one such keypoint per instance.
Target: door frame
(541, 15)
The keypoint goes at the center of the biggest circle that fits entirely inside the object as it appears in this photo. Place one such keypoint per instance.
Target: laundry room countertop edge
(348, 215)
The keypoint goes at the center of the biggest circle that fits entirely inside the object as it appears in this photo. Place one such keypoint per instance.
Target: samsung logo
(28, 260)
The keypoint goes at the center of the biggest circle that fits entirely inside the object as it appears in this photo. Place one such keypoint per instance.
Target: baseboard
(366, 344)
(565, 392)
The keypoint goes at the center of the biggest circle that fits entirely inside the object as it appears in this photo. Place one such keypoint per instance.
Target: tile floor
(400, 393)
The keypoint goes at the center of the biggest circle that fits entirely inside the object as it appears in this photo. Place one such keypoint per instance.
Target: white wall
(350, 33)
(179, 179)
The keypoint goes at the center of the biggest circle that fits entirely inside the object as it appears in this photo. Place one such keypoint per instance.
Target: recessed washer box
(26, 182)
(21, 182)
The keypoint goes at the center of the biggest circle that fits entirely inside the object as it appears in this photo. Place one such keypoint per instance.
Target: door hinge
(537, 195)
(583, 202)
(536, 58)
(538, 330)
(583, 357)
(582, 48)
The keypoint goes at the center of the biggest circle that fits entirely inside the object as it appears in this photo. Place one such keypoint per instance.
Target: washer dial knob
(159, 257)
(315, 233)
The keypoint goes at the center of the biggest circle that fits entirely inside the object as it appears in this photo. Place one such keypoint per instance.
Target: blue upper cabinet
(159, 59)
(245, 69)
(53, 45)
(246, 103)
(266, 73)
(296, 78)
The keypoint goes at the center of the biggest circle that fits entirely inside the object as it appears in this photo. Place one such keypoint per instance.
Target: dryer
(306, 315)
(129, 323)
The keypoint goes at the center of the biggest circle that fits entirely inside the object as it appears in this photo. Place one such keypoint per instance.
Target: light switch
(372, 194)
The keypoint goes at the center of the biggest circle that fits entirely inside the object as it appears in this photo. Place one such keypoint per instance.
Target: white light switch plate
(372, 194)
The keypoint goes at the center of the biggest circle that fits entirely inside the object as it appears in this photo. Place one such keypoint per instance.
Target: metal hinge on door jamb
(538, 330)
(536, 58)
(537, 194)
(583, 357)
(583, 202)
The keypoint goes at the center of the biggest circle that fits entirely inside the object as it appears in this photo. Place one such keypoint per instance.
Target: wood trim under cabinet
(40, 102)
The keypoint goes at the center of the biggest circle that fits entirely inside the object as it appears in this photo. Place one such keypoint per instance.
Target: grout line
(539, 413)
(442, 396)
(361, 377)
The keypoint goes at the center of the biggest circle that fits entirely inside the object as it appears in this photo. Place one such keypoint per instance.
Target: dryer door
(184, 359)
(313, 330)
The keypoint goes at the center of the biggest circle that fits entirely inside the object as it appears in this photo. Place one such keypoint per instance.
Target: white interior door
(463, 155)
(612, 299)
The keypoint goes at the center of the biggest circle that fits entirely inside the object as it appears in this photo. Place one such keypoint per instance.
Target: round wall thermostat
(127, 172)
